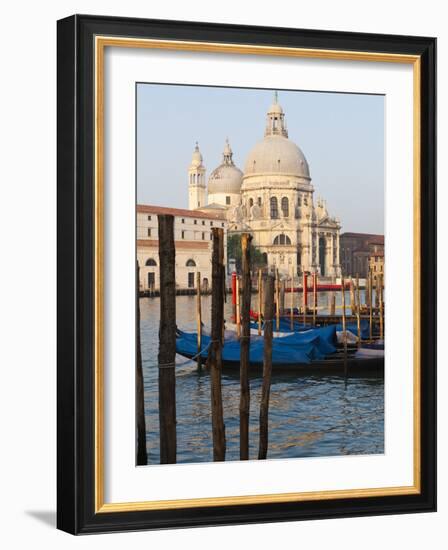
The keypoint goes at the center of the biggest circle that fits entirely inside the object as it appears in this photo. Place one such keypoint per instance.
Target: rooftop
(180, 212)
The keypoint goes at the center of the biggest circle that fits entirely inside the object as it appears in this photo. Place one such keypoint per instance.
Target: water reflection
(308, 416)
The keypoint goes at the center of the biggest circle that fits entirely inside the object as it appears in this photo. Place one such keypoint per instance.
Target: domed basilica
(273, 200)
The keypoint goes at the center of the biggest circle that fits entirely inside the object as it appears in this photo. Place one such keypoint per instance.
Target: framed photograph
(246, 274)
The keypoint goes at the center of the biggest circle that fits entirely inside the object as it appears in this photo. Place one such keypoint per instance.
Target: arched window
(285, 207)
(251, 202)
(299, 201)
(190, 263)
(150, 262)
(282, 239)
(274, 208)
(259, 201)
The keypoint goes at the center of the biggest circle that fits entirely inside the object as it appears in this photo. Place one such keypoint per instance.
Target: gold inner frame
(101, 42)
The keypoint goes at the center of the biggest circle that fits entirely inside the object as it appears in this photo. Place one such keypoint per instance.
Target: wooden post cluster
(267, 366)
(215, 350)
(167, 340)
(245, 348)
(142, 456)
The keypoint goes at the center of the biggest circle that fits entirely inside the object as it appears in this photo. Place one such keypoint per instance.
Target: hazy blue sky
(341, 135)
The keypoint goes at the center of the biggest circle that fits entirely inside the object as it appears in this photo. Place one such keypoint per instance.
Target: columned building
(273, 199)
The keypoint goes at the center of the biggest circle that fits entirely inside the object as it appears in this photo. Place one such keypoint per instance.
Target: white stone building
(273, 200)
(193, 242)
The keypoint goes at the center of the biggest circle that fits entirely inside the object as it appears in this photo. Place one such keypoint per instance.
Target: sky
(341, 135)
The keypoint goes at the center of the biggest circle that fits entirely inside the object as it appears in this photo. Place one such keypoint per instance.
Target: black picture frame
(76, 273)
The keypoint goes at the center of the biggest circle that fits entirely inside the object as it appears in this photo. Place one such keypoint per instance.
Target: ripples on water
(308, 416)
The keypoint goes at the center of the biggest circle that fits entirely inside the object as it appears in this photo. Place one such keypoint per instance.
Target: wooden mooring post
(291, 302)
(358, 310)
(381, 312)
(314, 297)
(238, 307)
(304, 296)
(199, 317)
(245, 348)
(277, 301)
(370, 306)
(142, 456)
(344, 326)
(260, 297)
(167, 340)
(215, 350)
(267, 366)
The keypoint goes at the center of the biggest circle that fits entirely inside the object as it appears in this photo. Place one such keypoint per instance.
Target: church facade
(273, 200)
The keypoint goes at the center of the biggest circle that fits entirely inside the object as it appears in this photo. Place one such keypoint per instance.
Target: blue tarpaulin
(302, 347)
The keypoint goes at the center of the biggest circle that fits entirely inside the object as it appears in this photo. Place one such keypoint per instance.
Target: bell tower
(196, 181)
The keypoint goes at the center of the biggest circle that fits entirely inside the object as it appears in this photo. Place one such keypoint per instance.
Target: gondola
(310, 352)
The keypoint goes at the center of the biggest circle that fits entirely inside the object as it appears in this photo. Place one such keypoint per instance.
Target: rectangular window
(183, 234)
(227, 200)
(203, 236)
(191, 279)
(211, 223)
(222, 224)
(149, 218)
(151, 280)
(149, 232)
(195, 222)
(203, 222)
(183, 220)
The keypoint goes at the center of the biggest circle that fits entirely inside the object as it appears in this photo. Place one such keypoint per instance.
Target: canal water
(308, 416)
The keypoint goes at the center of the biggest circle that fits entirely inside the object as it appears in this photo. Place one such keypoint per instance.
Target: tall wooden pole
(234, 296)
(291, 310)
(267, 367)
(381, 306)
(142, 456)
(167, 340)
(352, 296)
(358, 311)
(314, 297)
(358, 294)
(344, 326)
(238, 306)
(199, 316)
(260, 297)
(282, 296)
(370, 306)
(245, 349)
(333, 298)
(277, 301)
(215, 350)
(304, 296)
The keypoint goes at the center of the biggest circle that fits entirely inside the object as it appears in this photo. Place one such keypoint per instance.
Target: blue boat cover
(302, 347)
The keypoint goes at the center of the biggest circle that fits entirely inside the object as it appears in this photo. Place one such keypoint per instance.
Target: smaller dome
(226, 178)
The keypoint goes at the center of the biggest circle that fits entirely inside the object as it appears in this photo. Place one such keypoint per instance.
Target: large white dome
(276, 154)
